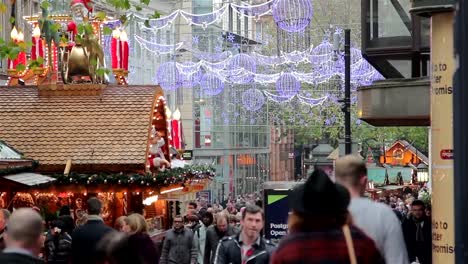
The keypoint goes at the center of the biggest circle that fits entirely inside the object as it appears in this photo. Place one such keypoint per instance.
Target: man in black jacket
(86, 237)
(417, 233)
(248, 247)
(23, 238)
(214, 234)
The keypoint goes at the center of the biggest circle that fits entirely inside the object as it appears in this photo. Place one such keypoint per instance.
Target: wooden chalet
(105, 130)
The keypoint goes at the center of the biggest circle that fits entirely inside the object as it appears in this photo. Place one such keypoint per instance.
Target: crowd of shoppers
(328, 223)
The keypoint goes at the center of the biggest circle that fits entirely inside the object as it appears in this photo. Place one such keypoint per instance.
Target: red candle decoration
(37, 49)
(115, 49)
(21, 59)
(124, 50)
(177, 130)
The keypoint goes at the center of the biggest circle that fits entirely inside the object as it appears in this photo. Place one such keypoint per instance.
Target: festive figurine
(156, 155)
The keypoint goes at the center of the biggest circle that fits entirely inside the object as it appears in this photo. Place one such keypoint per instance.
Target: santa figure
(156, 155)
(80, 11)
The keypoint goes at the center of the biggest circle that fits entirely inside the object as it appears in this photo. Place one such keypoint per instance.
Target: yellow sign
(443, 235)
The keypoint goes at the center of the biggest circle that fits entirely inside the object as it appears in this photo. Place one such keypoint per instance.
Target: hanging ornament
(168, 76)
(292, 15)
(287, 85)
(242, 62)
(253, 99)
(211, 84)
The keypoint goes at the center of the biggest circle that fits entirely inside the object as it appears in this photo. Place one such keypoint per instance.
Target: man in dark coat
(248, 247)
(179, 246)
(86, 237)
(214, 234)
(23, 238)
(417, 231)
(4, 215)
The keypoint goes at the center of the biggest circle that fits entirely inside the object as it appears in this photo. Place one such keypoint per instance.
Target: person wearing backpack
(200, 235)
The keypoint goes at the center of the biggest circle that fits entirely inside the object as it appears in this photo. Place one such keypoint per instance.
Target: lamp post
(347, 93)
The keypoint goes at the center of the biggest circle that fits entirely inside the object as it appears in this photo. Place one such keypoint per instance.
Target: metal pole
(460, 122)
(347, 99)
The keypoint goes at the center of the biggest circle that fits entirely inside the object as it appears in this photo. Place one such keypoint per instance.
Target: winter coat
(212, 239)
(85, 239)
(144, 247)
(16, 258)
(179, 247)
(58, 247)
(229, 251)
(421, 250)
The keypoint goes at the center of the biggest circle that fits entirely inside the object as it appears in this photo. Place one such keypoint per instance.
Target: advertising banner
(276, 213)
(443, 66)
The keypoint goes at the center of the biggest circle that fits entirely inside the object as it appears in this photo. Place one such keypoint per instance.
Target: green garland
(161, 179)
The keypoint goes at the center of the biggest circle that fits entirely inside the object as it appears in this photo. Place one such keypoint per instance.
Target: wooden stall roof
(30, 179)
(101, 130)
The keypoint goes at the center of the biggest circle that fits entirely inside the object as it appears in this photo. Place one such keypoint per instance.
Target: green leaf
(3, 8)
(93, 61)
(88, 29)
(145, 2)
(20, 67)
(147, 24)
(101, 16)
(12, 20)
(123, 19)
(63, 39)
(80, 29)
(45, 5)
(55, 27)
(106, 30)
(40, 60)
(138, 8)
(155, 15)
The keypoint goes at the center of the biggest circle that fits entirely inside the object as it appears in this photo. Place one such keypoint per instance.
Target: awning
(376, 175)
(30, 179)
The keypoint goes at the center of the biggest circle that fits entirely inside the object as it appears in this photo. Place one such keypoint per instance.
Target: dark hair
(208, 214)
(418, 203)
(194, 204)
(68, 223)
(252, 209)
(65, 210)
(94, 206)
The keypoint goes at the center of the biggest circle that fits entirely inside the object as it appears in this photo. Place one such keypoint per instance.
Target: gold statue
(81, 62)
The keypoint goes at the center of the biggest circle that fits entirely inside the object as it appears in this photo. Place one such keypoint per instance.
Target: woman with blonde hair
(119, 223)
(139, 240)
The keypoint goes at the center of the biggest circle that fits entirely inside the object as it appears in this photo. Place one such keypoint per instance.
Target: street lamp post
(347, 99)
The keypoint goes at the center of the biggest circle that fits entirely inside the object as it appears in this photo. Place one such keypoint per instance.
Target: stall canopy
(377, 175)
(22, 181)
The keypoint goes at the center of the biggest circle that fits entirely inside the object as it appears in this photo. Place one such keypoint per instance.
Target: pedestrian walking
(86, 237)
(199, 236)
(247, 247)
(417, 232)
(58, 243)
(179, 246)
(377, 220)
(23, 238)
(320, 230)
(139, 241)
(215, 233)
